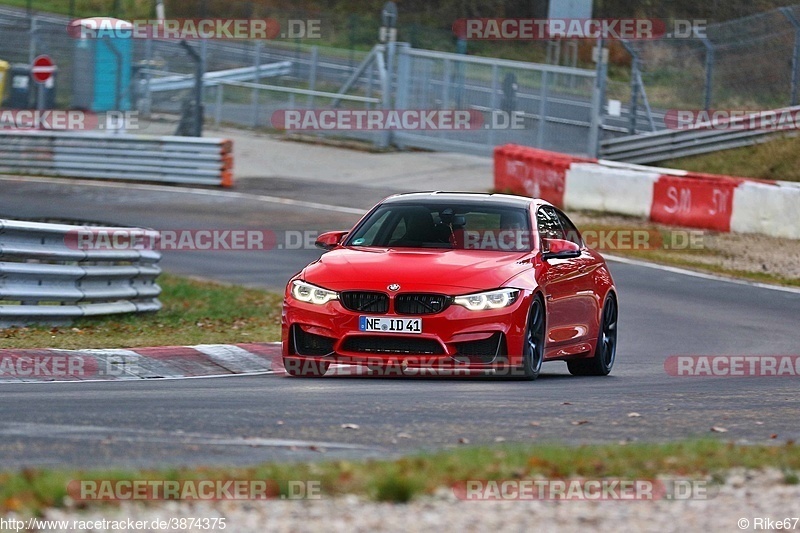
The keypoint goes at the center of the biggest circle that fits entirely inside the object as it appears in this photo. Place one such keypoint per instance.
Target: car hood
(445, 271)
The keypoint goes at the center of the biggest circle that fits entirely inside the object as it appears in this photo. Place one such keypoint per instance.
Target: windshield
(445, 225)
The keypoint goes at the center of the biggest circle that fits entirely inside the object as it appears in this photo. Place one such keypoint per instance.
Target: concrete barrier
(767, 209)
(598, 188)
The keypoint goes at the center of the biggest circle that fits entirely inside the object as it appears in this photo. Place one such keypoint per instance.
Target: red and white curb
(164, 362)
(667, 196)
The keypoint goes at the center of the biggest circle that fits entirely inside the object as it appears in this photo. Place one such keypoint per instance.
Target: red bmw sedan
(453, 284)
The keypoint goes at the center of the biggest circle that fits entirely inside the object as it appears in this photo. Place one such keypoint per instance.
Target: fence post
(312, 75)
(218, 106)
(787, 12)
(542, 109)
(147, 102)
(493, 104)
(403, 76)
(370, 71)
(255, 95)
(446, 85)
(384, 137)
(598, 101)
(709, 72)
(634, 109)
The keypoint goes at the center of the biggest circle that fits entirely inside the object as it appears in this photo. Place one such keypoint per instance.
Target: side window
(548, 224)
(570, 231)
(399, 230)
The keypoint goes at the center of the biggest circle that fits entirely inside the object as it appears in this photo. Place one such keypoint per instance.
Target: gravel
(749, 495)
(733, 251)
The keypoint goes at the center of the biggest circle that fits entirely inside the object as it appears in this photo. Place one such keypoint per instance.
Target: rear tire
(605, 352)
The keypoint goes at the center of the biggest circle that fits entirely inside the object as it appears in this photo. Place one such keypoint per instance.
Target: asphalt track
(243, 420)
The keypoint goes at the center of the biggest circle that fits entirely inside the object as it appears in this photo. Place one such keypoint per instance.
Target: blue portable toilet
(102, 59)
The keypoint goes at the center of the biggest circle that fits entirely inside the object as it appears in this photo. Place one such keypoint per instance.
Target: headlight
(306, 292)
(487, 300)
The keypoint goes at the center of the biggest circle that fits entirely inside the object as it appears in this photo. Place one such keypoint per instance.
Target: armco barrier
(667, 196)
(189, 160)
(703, 138)
(46, 278)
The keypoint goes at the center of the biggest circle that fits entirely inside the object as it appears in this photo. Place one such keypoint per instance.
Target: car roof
(509, 200)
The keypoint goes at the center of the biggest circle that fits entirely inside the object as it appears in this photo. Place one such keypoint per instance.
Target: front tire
(605, 352)
(533, 349)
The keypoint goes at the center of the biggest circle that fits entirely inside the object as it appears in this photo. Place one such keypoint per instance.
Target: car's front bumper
(454, 340)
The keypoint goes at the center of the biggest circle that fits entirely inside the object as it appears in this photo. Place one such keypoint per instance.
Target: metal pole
(646, 103)
(198, 89)
(598, 100)
(635, 77)
(218, 107)
(32, 41)
(795, 53)
(368, 90)
(403, 76)
(390, 48)
(312, 76)
(493, 103)
(709, 72)
(542, 111)
(256, 94)
(40, 97)
(634, 110)
(446, 86)
(573, 61)
(204, 56)
(384, 137)
(148, 96)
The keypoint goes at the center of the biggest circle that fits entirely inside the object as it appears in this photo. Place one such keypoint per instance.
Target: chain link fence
(747, 63)
(554, 104)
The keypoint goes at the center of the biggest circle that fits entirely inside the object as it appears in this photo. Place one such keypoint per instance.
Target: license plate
(390, 325)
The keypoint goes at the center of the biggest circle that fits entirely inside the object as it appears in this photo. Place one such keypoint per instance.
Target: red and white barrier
(666, 196)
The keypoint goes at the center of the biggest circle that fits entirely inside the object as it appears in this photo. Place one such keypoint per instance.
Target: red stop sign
(43, 67)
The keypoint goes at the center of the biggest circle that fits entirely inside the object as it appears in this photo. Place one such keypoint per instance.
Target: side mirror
(330, 239)
(559, 249)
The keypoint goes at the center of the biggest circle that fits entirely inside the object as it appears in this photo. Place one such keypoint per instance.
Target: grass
(402, 480)
(778, 159)
(194, 312)
(759, 277)
(684, 258)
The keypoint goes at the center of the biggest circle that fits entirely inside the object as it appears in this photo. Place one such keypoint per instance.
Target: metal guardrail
(190, 160)
(175, 82)
(700, 139)
(47, 277)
